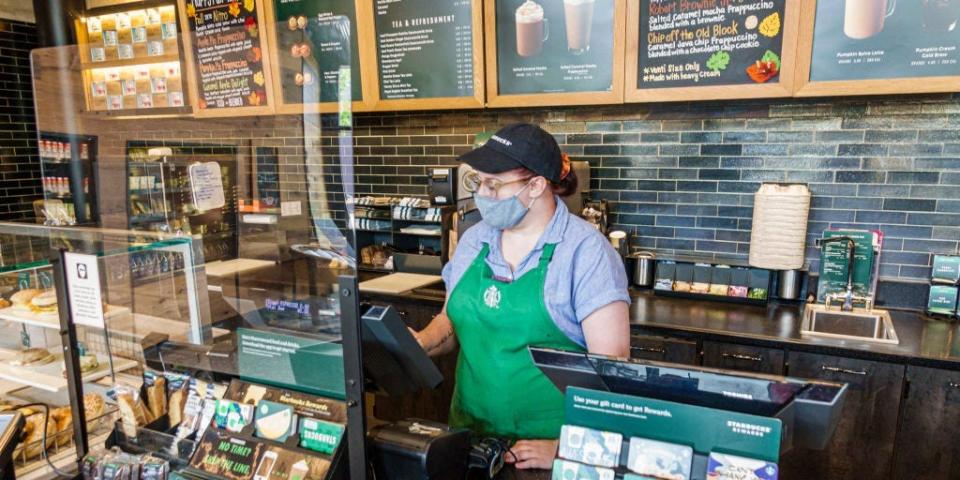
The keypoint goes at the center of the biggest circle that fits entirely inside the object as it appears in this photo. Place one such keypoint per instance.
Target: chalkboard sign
(428, 50)
(543, 52)
(881, 46)
(226, 49)
(679, 48)
(314, 39)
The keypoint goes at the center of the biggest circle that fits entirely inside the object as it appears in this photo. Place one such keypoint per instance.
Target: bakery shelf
(63, 456)
(25, 316)
(49, 377)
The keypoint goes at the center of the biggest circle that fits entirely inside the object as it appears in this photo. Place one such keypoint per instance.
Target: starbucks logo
(491, 297)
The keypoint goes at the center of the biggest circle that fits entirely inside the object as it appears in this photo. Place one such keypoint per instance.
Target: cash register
(11, 425)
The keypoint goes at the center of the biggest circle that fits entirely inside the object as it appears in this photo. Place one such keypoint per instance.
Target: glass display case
(69, 179)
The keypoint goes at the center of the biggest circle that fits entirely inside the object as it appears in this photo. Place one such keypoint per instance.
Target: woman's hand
(532, 454)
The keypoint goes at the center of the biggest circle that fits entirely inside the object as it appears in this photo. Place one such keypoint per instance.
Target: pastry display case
(131, 60)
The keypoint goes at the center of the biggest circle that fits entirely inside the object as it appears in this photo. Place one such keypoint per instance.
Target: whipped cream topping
(529, 12)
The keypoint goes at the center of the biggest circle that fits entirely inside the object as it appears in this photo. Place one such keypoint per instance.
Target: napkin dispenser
(417, 449)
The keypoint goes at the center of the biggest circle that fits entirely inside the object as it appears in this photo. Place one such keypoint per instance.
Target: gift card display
(721, 466)
(320, 436)
(660, 459)
(589, 446)
(275, 421)
(232, 416)
(567, 470)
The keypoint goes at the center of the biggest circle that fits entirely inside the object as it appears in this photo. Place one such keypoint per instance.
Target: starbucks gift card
(145, 100)
(275, 421)
(232, 416)
(660, 459)
(98, 89)
(129, 87)
(175, 99)
(589, 446)
(567, 470)
(320, 436)
(632, 476)
(721, 466)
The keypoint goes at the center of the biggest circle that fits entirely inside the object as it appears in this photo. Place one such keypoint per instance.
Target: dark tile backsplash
(681, 177)
(19, 157)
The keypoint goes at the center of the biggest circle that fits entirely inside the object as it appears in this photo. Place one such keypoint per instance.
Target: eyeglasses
(472, 183)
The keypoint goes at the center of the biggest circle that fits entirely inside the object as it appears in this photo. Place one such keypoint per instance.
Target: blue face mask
(502, 214)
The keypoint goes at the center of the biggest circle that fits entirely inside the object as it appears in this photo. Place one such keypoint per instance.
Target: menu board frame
(368, 65)
(783, 88)
(881, 86)
(439, 103)
(193, 81)
(496, 100)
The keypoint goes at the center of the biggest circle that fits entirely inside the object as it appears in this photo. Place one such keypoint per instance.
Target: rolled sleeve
(600, 278)
(467, 249)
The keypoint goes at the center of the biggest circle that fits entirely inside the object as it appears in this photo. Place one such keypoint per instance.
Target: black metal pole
(353, 373)
(68, 340)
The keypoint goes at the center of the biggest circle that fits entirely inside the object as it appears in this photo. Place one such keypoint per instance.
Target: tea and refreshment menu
(555, 46)
(315, 38)
(877, 39)
(425, 48)
(709, 42)
(227, 53)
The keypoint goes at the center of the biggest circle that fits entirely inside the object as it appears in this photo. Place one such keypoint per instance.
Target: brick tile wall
(19, 160)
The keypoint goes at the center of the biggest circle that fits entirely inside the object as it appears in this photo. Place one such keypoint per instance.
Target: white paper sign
(207, 186)
(288, 209)
(83, 286)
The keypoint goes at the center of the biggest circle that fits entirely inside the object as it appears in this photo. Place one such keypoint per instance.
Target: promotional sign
(206, 184)
(286, 360)
(555, 46)
(688, 44)
(314, 39)
(424, 48)
(83, 288)
(885, 39)
(225, 38)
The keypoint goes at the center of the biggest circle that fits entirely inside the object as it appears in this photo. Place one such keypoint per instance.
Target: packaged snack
(566, 470)
(662, 460)
(177, 391)
(589, 446)
(721, 466)
(946, 269)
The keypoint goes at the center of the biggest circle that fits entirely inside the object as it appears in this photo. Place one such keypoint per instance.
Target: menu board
(227, 52)
(424, 48)
(315, 38)
(885, 39)
(555, 46)
(709, 43)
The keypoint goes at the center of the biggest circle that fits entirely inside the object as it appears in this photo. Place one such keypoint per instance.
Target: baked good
(178, 400)
(63, 419)
(46, 302)
(130, 416)
(23, 297)
(157, 397)
(32, 357)
(88, 363)
(4, 303)
(32, 443)
(93, 406)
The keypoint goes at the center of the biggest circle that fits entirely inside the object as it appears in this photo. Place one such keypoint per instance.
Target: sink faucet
(848, 296)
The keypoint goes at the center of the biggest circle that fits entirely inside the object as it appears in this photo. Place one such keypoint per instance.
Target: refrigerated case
(69, 179)
(161, 197)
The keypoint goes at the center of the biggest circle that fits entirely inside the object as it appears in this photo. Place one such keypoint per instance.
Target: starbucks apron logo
(491, 297)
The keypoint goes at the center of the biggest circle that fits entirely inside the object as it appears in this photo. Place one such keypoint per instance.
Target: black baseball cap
(515, 146)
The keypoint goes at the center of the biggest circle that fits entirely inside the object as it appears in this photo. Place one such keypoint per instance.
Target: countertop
(923, 341)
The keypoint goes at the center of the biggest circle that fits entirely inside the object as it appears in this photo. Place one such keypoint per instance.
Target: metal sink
(860, 324)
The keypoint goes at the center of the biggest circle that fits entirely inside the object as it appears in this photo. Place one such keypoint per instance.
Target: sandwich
(32, 356)
(45, 303)
(4, 303)
(22, 298)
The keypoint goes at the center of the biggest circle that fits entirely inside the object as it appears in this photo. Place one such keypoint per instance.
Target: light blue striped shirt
(585, 274)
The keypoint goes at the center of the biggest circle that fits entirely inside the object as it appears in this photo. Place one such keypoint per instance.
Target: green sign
(320, 436)
(425, 48)
(705, 429)
(834, 265)
(315, 38)
(554, 47)
(304, 364)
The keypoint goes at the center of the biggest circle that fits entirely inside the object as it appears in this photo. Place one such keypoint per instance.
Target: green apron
(499, 391)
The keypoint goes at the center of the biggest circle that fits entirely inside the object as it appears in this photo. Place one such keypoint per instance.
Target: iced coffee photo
(532, 29)
(578, 17)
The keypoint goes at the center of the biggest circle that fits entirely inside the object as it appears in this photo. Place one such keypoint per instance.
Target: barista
(530, 274)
